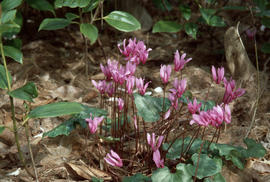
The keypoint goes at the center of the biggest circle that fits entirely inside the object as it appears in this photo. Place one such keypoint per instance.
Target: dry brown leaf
(83, 171)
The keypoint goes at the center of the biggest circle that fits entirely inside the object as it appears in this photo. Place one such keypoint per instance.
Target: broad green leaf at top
(10, 4)
(56, 109)
(13, 53)
(53, 24)
(90, 31)
(71, 3)
(92, 5)
(41, 5)
(137, 178)
(8, 16)
(122, 21)
(3, 79)
(167, 26)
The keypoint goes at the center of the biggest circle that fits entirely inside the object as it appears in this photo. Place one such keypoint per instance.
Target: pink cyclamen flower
(165, 73)
(101, 86)
(106, 71)
(157, 159)
(109, 89)
(155, 144)
(218, 75)
(227, 114)
(167, 114)
(174, 100)
(179, 63)
(93, 123)
(216, 116)
(179, 87)
(130, 68)
(134, 52)
(113, 159)
(130, 82)
(203, 118)
(251, 33)
(230, 94)
(193, 107)
(140, 85)
(120, 104)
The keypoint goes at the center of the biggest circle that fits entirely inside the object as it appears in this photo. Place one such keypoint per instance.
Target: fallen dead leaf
(83, 171)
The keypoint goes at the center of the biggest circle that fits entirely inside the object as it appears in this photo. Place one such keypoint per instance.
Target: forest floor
(55, 62)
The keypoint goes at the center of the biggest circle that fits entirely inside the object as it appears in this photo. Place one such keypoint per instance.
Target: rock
(237, 59)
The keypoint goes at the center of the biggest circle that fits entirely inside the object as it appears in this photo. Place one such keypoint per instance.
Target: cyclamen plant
(119, 85)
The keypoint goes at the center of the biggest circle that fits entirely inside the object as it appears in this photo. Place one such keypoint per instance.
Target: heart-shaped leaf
(164, 174)
(137, 178)
(150, 108)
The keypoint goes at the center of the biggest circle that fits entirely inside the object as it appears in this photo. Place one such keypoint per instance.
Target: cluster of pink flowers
(135, 52)
(155, 144)
(230, 94)
(214, 117)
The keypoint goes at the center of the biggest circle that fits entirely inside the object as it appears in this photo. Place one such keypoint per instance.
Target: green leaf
(122, 21)
(10, 4)
(2, 128)
(3, 79)
(94, 179)
(207, 166)
(27, 92)
(13, 53)
(186, 175)
(18, 21)
(166, 26)
(216, 178)
(150, 107)
(266, 48)
(217, 21)
(206, 105)
(207, 14)
(160, 4)
(137, 178)
(266, 22)
(92, 5)
(254, 149)
(56, 109)
(71, 3)
(53, 24)
(191, 29)
(68, 126)
(64, 128)
(17, 43)
(90, 31)
(164, 174)
(185, 10)
(261, 4)
(71, 16)
(8, 16)
(8, 27)
(41, 5)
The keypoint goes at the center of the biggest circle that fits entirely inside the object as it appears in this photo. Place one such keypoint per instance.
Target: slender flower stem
(15, 131)
(212, 138)
(195, 176)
